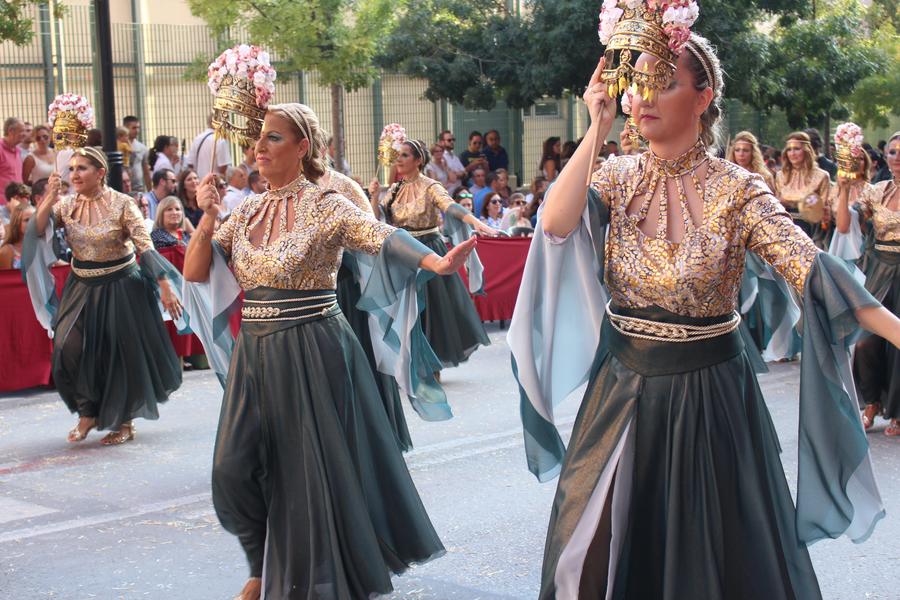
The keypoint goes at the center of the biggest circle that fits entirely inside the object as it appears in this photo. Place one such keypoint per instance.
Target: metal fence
(150, 61)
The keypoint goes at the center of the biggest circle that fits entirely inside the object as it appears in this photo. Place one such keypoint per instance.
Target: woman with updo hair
(307, 472)
(415, 203)
(671, 486)
(164, 154)
(876, 362)
(112, 358)
(804, 189)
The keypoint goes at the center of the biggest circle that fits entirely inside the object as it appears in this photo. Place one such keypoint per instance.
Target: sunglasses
(450, 140)
(465, 195)
(495, 200)
(893, 152)
(519, 203)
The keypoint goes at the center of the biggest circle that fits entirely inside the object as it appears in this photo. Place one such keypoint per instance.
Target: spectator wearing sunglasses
(41, 161)
(464, 198)
(474, 158)
(491, 213)
(438, 169)
(448, 142)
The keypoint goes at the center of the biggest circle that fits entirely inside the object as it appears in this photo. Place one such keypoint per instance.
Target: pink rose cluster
(393, 135)
(72, 103)
(677, 17)
(850, 135)
(245, 62)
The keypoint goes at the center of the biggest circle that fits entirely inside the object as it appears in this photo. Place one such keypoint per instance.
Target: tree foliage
(472, 52)
(336, 38)
(15, 25)
(818, 64)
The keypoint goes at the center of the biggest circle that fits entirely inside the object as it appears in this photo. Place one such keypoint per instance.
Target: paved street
(85, 521)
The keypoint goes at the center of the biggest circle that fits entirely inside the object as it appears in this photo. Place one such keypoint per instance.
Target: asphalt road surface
(136, 521)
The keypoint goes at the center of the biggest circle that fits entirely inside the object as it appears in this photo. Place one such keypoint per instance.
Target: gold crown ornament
(70, 116)
(243, 81)
(629, 28)
(393, 136)
(848, 139)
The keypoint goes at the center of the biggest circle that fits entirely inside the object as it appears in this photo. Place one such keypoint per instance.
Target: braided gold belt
(657, 331)
(423, 232)
(101, 271)
(257, 311)
(886, 248)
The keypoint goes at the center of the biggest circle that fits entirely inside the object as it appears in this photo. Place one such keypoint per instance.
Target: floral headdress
(243, 81)
(393, 136)
(70, 116)
(848, 138)
(629, 28)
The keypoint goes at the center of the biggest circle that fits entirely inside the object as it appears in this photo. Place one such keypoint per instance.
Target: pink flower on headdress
(609, 17)
(678, 37)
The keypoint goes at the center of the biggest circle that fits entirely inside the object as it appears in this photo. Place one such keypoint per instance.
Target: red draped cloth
(504, 262)
(185, 345)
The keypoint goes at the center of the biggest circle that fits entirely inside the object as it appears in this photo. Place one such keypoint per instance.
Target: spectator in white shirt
(200, 155)
(438, 169)
(140, 166)
(164, 154)
(237, 181)
(448, 142)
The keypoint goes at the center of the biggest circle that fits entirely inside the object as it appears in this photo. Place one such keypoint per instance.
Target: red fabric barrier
(185, 345)
(25, 347)
(504, 262)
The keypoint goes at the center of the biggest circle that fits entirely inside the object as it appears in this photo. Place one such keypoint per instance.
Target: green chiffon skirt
(307, 472)
(348, 294)
(450, 321)
(112, 357)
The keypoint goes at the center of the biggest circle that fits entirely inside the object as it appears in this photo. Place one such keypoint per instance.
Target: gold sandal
(76, 435)
(869, 414)
(124, 434)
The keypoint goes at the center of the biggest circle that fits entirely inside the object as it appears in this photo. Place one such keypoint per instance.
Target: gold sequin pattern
(307, 256)
(346, 187)
(119, 230)
(418, 204)
(809, 195)
(701, 275)
(885, 222)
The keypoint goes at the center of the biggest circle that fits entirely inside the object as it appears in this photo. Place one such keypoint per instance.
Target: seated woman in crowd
(169, 227)
(187, 193)
(518, 216)
(492, 211)
(464, 198)
(11, 248)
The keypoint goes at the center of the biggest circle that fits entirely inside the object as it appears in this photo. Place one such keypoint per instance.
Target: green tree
(474, 52)
(15, 25)
(818, 64)
(875, 97)
(336, 38)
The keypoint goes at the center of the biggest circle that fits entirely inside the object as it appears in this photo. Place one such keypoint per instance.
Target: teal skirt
(112, 357)
(450, 321)
(307, 472)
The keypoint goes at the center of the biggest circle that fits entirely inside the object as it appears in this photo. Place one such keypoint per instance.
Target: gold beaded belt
(886, 248)
(100, 271)
(658, 331)
(423, 232)
(258, 311)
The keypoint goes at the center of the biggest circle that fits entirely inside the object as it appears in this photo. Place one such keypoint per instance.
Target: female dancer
(307, 472)
(767, 308)
(112, 358)
(348, 295)
(672, 486)
(804, 189)
(876, 363)
(450, 321)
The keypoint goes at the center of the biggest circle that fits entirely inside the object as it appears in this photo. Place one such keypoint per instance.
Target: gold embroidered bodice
(885, 221)
(305, 230)
(346, 187)
(810, 195)
(102, 229)
(700, 276)
(419, 203)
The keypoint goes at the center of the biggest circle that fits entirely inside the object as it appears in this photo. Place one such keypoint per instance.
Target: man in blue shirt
(494, 152)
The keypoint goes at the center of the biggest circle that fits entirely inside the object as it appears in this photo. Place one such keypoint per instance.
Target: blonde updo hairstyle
(305, 125)
(707, 72)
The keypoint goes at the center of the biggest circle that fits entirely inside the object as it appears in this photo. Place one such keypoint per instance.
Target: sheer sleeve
(133, 222)
(770, 233)
(603, 181)
(437, 195)
(824, 192)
